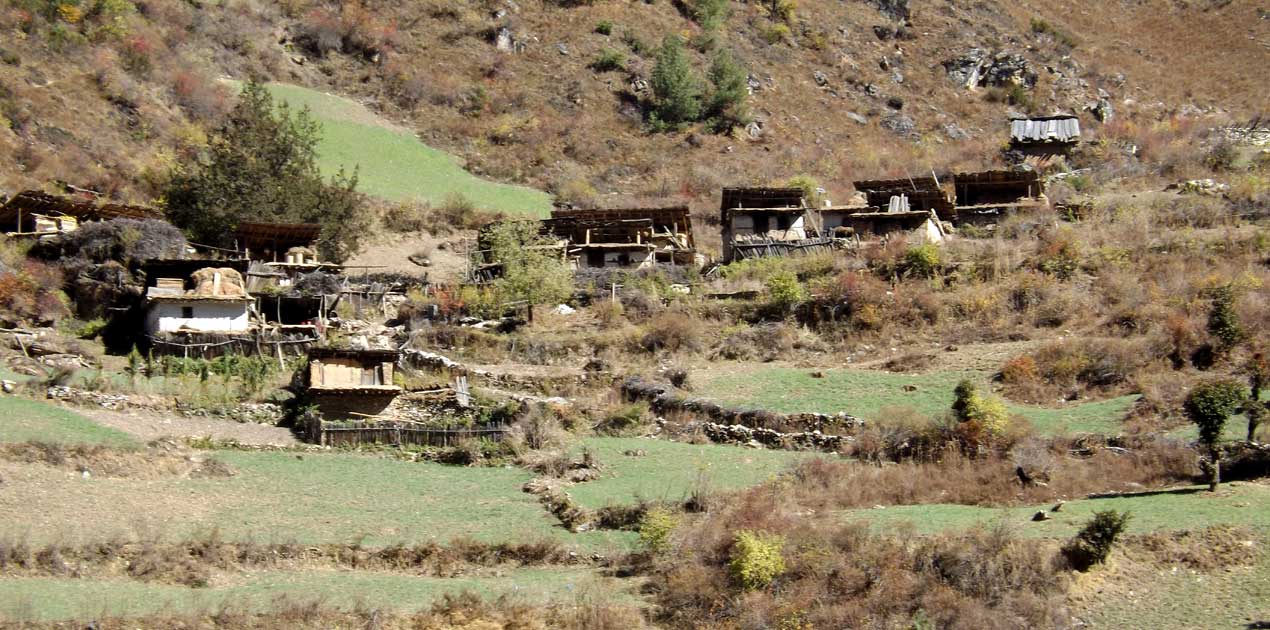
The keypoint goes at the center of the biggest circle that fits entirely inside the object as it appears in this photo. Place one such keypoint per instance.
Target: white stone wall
(209, 316)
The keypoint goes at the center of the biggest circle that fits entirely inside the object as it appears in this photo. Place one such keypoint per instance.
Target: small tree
(1093, 543)
(726, 106)
(1223, 322)
(1258, 378)
(676, 88)
(532, 269)
(1208, 406)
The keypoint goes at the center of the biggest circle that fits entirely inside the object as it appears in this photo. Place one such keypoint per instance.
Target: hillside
(119, 93)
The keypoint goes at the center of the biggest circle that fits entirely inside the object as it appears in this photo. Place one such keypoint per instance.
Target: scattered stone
(564, 309)
(1101, 109)
(817, 374)
(1058, 507)
(883, 32)
(8, 386)
(1206, 187)
(821, 78)
(909, 388)
(562, 48)
(899, 124)
(503, 40)
(896, 103)
(955, 132)
(857, 118)
(635, 453)
(1041, 516)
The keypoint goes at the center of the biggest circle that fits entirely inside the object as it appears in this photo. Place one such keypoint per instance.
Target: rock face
(977, 68)
(894, 9)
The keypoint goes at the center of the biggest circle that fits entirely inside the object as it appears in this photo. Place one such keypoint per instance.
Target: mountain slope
(111, 102)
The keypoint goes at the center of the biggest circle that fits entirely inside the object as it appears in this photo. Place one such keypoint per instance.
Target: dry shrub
(825, 484)
(840, 576)
(1073, 369)
(539, 429)
(770, 341)
(673, 332)
(1217, 547)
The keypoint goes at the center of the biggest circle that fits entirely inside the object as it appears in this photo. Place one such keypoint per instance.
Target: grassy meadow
(865, 393)
(393, 164)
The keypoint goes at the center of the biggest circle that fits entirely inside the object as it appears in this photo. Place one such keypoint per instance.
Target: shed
(36, 212)
(351, 384)
(270, 242)
(767, 221)
(924, 193)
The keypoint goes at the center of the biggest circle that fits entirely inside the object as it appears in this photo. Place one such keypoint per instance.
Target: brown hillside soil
(116, 109)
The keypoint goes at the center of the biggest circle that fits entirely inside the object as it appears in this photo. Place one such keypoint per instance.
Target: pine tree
(727, 107)
(261, 165)
(676, 88)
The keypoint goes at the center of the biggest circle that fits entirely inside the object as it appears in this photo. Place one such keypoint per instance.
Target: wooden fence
(401, 434)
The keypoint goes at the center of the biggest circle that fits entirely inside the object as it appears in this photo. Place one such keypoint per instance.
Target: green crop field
(393, 163)
(669, 471)
(1193, 507)
(51, 599)
(864, 393)
(281, 497)
(23, 420)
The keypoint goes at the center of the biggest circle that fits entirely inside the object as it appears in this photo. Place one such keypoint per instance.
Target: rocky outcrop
(977, 68)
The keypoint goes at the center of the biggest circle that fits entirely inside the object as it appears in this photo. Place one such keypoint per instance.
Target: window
(187, 312)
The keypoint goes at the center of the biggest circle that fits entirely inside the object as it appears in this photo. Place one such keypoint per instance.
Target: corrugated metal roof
(1045, 130)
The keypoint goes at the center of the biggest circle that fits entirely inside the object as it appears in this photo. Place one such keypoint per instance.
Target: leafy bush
(922, 261)
(1092, 544)
(987, 412)
(623, 419)
(655, 529)
(710, 14)
(609, 60)
(604, 27)
(784, 291)
(776, 33)
(756, 559)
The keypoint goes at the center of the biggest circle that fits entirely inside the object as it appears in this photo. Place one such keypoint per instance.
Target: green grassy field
(24, 420)
(865, 392)
(394, 164)
(670, 470)
(1238, 503)
(51, 599)
(278, 497)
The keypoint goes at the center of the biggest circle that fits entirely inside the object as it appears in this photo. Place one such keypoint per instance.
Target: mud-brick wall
(345, 406)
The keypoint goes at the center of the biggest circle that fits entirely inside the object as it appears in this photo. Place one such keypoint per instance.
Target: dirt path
(150, 425)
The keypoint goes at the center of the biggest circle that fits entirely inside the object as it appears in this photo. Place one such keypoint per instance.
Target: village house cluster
(272, 294)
